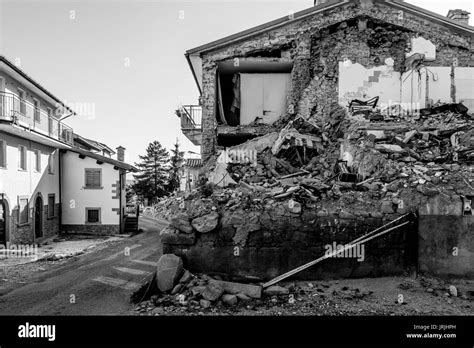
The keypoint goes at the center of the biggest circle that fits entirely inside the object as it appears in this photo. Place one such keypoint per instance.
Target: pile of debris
(177, 288)
(429, 152)
(386, 167)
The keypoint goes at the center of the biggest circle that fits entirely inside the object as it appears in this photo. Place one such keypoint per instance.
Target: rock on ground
(229, 299)
(276, 290)
(206, 223)
(181, 222)
(253, 291)
(212, 292)
(168, 271)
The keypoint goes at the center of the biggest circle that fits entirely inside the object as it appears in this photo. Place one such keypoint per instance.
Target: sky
(121, 65)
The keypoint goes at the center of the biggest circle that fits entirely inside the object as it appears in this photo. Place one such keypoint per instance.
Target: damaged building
(324, 125)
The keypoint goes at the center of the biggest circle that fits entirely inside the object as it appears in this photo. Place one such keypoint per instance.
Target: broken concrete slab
(212, 292)
(182, 223)
(229, 299)
(168, 271)
(206, 223)
(276, 290)
(253, 291)
(173, 237)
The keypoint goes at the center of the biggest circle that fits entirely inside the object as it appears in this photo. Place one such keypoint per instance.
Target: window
(93, 178)
(37, 110)
(51, 163)
(38, 160)
(93, 215)
(3, 154)
(51, 199)
(22, 157)
(22, 96)
(23, 210)
(50, 121)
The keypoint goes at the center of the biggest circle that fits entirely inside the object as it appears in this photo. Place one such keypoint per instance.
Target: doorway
(3, 221)
(38, 217)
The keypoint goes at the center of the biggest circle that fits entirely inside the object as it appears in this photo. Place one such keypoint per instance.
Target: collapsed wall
(321, 175)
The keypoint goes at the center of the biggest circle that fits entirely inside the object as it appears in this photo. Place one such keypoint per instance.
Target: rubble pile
(429, 153)
(200, 293)
(347, 167)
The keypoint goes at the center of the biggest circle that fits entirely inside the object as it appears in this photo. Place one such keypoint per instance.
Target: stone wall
(267, 241)
(25, 233)
(91, 229)
(446, 241)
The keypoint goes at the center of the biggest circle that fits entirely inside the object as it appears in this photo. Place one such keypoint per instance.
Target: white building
(50, 181)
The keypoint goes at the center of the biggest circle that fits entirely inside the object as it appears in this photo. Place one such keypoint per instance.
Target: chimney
(121, 154)
(319, 2)
(459, 15)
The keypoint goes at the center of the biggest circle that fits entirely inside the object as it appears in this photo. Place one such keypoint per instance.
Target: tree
(176, 163)
(152, 177)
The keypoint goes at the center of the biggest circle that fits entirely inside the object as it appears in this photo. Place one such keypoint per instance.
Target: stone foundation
(266, 244)
(91, 229)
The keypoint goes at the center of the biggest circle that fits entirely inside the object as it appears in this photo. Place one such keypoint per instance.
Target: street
(97, 283)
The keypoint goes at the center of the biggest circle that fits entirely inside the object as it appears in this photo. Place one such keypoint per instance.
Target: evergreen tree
(177, 161)
(152, 177)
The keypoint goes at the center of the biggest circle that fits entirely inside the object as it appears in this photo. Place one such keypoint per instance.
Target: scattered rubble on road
(200, 294)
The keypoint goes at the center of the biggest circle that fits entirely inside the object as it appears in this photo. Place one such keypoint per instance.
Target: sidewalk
(60, 248)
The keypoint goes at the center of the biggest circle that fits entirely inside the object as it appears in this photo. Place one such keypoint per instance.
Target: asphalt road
(96, 283)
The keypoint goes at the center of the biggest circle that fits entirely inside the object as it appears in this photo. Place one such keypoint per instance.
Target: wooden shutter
(93, 178)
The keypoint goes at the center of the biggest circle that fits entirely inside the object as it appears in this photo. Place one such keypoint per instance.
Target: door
(263, 96)
(3, 222)
(39, 217)
(275, 91)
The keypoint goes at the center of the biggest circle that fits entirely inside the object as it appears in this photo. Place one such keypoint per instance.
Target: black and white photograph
(307, 161)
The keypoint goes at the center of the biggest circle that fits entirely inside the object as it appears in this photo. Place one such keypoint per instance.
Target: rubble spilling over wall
(327, 172)
(309, 187)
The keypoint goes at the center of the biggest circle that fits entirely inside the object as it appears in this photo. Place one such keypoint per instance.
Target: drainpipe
(60, 190)
(121, 230)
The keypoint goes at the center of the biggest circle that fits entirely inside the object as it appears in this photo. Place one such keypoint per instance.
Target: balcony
(25, 114)
(191, 127)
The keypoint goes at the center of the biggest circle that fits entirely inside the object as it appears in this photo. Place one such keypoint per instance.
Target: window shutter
(93, 178)
(3, 152)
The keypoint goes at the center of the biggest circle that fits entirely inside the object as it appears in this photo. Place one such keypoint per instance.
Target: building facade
(44, 167)
(336, 51)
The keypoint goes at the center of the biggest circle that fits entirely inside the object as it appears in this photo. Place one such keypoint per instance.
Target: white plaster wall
(408, 89)
(414, 89)
(76, 198)
(12, 85)
(353, 76)
(464, 80)
(15, 182)
(439, 88)
(423, 46)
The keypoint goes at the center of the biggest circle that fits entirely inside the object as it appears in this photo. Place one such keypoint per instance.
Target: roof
(193, 162)
(193, 54)
(319, 8)
(15, 68)
(92, 144)
(104, 159)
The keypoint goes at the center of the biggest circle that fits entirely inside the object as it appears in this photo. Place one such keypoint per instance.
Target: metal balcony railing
(191, 117)
(22, 112)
